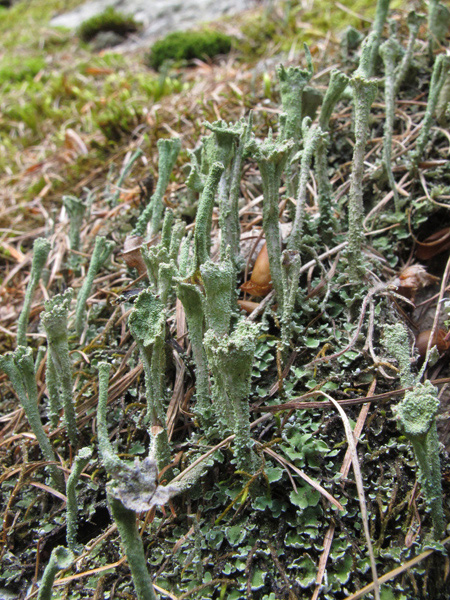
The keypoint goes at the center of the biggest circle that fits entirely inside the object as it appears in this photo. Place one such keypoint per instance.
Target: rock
(106, 39)
(157, 16)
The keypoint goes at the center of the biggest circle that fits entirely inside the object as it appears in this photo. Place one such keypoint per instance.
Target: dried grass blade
(278, 458)
(328, 540)
(49, 489)
(221, 444)
(174, 407)
(360, 488)
(397, 571)
(305, 477)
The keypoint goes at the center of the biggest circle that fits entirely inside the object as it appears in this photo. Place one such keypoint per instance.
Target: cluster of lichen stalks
(179, 266)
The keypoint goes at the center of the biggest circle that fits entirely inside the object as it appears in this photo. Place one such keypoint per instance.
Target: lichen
(416, 415)
(168, 152)
(231, 359)
(271, 156)
(55, 322)
(293, 81)
(19, 367)
(81, 460)
(396, 341)
(60, 558)
(147, 323)
(416, 418)
(364, 91)
(100, 254)
(41, 249)
(203, 222)
(218, 279)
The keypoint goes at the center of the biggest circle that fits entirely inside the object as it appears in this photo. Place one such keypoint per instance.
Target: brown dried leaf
(411, 279)
(439, 340)
(132, 254)
(260, 283)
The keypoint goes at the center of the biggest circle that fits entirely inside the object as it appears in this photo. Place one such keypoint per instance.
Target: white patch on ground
(157, 16)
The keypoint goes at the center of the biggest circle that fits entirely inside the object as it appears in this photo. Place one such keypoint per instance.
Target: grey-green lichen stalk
(19, 367)
(76, 209)
(218, 280)
(336, 87)
(193, 301)
(390, 52)
(438, 23)
(161, 259)
(377, 30)
(125, 518)
(440, 70)
(133, 489)
(230, 148)
(61, 558)
(231, 359)
(315, 142)
(310, 141)
(271, 156)
(102, 251)
(416, 415)
(293, 81)
(203, 222)
(113, 199)
(396, 341)
(395, 72)
(168, 152)
(364, 91)
(41, 249)
(147, 323)
(81, 460)
(55, 322)
(414, 21)
(416, 418)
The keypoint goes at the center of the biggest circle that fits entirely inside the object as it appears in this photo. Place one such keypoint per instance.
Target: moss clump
(186, 45)
(108, 20)
(258, 31)
(118, 121)
(18, 69)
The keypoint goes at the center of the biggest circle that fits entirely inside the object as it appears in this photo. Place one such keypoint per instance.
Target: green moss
(27, 21)
(118, 120)
(186, 45)
(108, 20)
(324, 16)
(258, 31)
(262, 32)
(17, 69)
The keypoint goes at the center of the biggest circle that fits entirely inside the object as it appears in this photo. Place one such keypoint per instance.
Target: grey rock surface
(157, 16)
